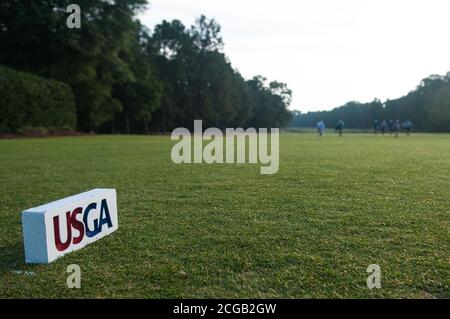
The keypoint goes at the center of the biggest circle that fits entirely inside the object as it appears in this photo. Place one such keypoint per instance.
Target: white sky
(329, 52)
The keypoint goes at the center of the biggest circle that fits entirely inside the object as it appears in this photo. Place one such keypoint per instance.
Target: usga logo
(60, 227)
(81, 226)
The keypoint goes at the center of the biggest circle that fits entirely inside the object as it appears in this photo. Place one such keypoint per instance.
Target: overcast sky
(329, 52)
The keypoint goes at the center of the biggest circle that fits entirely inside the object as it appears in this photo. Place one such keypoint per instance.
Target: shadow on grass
(12, 258)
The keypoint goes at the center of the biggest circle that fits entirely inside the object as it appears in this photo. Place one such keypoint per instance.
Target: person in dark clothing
(383, 126)
(391, 127)
(396, 128)
(376, 126)
(340, 127)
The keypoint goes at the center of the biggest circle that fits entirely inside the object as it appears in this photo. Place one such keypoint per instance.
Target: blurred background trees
(127, 79)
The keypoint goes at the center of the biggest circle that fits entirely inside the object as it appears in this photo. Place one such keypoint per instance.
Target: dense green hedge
(29, 102)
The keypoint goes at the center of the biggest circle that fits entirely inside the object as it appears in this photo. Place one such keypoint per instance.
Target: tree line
(428, 107)
(128, 79)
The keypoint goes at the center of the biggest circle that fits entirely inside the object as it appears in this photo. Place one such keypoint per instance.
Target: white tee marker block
(57, 228)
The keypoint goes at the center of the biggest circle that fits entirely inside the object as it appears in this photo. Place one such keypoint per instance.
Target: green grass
(336, 206)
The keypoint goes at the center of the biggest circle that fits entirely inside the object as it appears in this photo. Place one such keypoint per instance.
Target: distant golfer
(320, 128)
(396, 128)
(383, 127)
(340, 127)
(407, 126)
(391, 127)
(376, 126)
